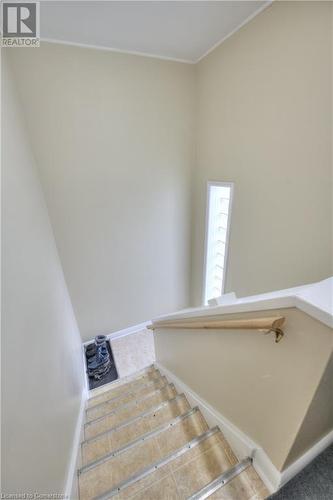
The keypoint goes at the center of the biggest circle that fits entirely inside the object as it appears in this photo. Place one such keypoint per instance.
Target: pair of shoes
(91, 350)
(100, 340)
(101, 356)
(98, 358)
(98, 363)
(99, 373)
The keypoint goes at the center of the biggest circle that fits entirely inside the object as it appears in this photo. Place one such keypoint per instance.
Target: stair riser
(216, 484)
(143, 441)
(157, 433)
(162, 468)
(129, 462)
(109, 421)
(93, 450)
(120, 389)
(114, 403)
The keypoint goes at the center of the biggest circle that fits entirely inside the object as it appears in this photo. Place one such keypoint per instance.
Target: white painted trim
(288, 298)
(243, 23)
(74, 462)
(305, 459)
(225, 262)
(124, 332)
(241, 444)
(227, 237)
(156, 56)
(203, 291)
(84, 360)
(117, 51)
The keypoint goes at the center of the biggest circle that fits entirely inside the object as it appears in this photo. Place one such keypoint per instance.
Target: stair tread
(241, 487)
(192, 471)
(126, 397)
(143, 442)
(108, 474)
(151, 475)
(115, 439)
(167, 488)
(107, 421)
(180, 428)
(93, 393)
(121, 386)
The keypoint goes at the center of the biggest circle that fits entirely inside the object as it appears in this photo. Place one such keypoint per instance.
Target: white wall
(113, 141)
(41, 348)
(264, 122)
(115, 135)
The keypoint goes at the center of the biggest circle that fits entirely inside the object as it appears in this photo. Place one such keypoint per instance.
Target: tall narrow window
(219, 197)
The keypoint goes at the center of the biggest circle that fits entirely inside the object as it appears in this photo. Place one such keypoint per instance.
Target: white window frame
(225, 262)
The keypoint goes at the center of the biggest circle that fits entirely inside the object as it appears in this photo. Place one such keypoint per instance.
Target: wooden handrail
(269, 324)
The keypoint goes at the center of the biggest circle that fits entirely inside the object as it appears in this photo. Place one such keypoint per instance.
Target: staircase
(143, 441)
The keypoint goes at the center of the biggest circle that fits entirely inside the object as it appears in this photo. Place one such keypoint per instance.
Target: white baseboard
(75, 456)
(243, 445)
(122, 333)
(240, 443)
(305, 459)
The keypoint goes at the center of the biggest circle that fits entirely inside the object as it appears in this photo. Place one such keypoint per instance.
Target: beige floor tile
(200, 471)
(133, 352)
(241, 487)
(154, 476)
(180, 434)
(194, 452)
(257, 483)
(156, 398)
(169, 440)
(172, 410)
(95, 449)
(102, 425)
(119, 438)
(113, 440)
(122, 388)
(112, 404)
(121, 381)
(129, 433)
(90, 485)
(143, 483)
(227, 448)
(107, 475)
(165, 489)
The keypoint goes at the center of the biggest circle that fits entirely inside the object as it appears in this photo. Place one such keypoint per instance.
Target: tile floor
(133, 352)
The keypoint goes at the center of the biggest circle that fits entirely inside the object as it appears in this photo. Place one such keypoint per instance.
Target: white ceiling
(182, 30)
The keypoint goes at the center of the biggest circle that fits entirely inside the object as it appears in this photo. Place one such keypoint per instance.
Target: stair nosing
(158, 464)
(133, 419)
(222, 480)
(144, 437)
(122, 381)
(130, 403)
(132, 392)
